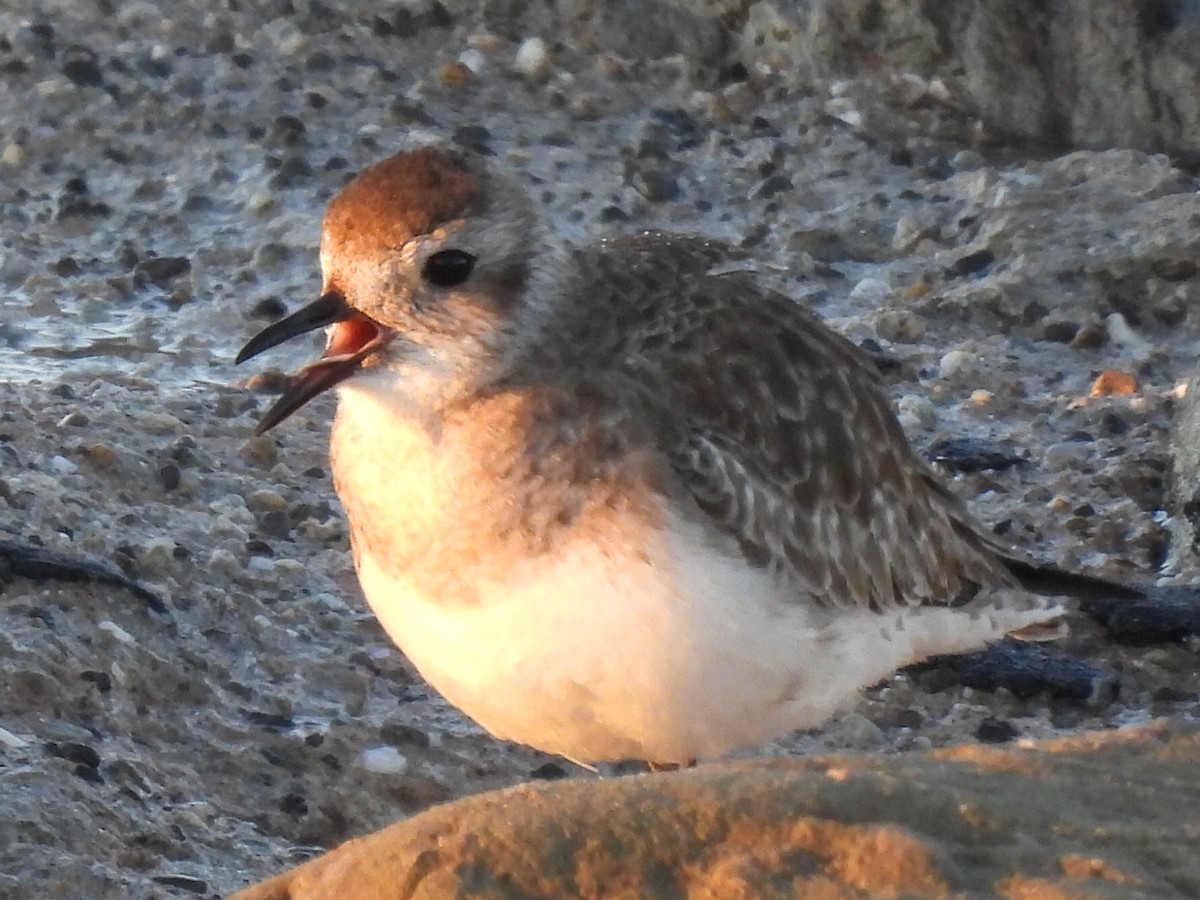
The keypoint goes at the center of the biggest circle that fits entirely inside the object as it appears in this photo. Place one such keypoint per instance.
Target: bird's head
(424, 257)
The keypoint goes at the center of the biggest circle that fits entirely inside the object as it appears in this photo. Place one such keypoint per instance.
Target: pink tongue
(350, 336)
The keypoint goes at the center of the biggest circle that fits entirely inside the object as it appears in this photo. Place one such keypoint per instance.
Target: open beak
(352, 338)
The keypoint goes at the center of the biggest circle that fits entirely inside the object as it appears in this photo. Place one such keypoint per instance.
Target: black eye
(446, 268)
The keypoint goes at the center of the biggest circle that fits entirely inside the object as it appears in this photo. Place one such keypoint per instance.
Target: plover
(610, 502)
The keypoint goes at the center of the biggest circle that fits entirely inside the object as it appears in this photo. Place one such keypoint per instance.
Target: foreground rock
(1112, 814)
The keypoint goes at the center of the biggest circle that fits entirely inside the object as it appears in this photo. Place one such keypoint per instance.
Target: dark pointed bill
(325, 310)
(359, 338)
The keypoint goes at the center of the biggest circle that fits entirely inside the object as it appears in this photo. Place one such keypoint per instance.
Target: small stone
(384, 761)
(996, 731)
(1060, 332)
(957, 363)
(937, 679)
(474, 60)
(160, 270)
(13, 155)
(115, 631)
(970, 264)
(161, 424)
(548, 771)
(224, 564)
(655, 185)
(74, 419)
(183, 882)
(74, 752)
(60, 465)
(264, 500)
(856, 731)
(271, 381)
(102, 680)
(1113, 383)
(268, 308)
(80, 65)
(900, 325)
(532, 59)
(100, 455)
(454, 74)
(168, 476)
(275, 524)
(260, 451)
(270, 255)
(401, 734)
(871, 291)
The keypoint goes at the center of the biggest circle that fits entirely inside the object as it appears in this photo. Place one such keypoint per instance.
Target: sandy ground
(163, 181)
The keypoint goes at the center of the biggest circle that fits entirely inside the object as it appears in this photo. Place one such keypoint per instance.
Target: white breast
(677, 655)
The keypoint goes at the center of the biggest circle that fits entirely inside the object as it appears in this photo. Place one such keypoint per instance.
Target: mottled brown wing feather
(778, 430)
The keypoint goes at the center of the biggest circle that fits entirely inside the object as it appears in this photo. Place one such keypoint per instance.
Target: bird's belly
(673, 654)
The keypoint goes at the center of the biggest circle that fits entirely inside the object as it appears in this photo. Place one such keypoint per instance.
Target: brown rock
(1069, 818)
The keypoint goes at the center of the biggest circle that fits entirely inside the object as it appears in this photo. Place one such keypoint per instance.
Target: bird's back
(774, 430)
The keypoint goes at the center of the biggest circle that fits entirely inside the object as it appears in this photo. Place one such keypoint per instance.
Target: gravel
(164, 172)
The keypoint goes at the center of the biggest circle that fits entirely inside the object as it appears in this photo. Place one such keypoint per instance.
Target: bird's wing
(778, 429)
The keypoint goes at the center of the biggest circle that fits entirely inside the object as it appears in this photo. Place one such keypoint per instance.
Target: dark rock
(548, 771)
(401, 734)
(291, 172)
(66, 267)
(275, 523)
(39, 563)
(1060, 332)
(183, 882)
(474, 138)
(970, 264)
(655, 185)
(1174, 268)
(774, 185)
(1027, 669)
(268, 308)
(161, 270)
(168, 476)
(973, 455)
(1165, 614)
(80, 64)
(75, 752)
(996, 731)
(102, 680)
(273, 721)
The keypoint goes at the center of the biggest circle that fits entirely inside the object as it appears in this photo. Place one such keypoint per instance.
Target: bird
(618, 500)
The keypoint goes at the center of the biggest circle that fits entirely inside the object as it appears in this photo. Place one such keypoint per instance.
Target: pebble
(12, 741)
(899, 325)
(160, 424)
(958, 363)
(223, 564)
(1064, 454)
(532, 58)
(385, 760)
(871, 291)
(916, 413)
(157, 556)
(856, 732)
(259, 451)
(13, 155)
(116, 632)
(655, 185)
(161, 270)
(265, 499)
(474, 60)
(60, 465)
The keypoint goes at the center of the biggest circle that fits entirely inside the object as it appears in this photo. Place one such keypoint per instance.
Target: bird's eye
(447, 268)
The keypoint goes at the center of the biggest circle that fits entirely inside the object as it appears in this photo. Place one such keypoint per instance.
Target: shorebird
(616, 501)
